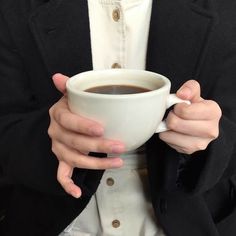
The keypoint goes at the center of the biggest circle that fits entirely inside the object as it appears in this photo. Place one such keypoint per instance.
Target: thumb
(59, 81)
(191, 91)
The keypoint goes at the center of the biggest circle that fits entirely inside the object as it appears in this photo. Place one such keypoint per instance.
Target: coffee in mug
(117, 89)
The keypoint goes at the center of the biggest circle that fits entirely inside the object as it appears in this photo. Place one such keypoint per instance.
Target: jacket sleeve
(204, 169)
(25, 155)
(25, 147)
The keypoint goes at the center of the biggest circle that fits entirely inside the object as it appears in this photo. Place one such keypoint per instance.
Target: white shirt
(121, 206)
(119, 32)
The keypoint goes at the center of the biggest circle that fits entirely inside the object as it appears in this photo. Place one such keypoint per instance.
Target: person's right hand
(74, 137)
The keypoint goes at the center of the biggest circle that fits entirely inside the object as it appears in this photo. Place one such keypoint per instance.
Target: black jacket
(192, 195)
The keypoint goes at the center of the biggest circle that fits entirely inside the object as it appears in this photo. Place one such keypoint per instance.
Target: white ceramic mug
(131, 118)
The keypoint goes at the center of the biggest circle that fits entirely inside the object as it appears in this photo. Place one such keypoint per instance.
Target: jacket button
(163, 206)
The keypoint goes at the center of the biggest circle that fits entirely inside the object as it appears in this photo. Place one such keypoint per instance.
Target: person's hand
(192, 127)
(73, 138)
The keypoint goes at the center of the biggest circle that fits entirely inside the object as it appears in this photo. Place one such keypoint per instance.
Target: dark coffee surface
(117, 89)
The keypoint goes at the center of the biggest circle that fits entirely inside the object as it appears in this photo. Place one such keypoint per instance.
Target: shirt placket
(117, 42)
(109, 202)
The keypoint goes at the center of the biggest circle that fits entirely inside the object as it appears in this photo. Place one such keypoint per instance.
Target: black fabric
(191, 194)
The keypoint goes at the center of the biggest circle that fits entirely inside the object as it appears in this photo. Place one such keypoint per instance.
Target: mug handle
(171, 100)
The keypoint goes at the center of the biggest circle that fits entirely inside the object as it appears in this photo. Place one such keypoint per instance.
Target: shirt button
(116, 65)
(110, 181)
(116, 14)
(115, 223)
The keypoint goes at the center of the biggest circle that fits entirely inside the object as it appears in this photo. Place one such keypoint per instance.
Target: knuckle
(187, 114)
(58, 150)
(74, 143)
(74, 163)
(60, 117)
(213, 134)
(98, 145)
(60, 179)
(172, 121)
(54, 148)
(81, 161)
(201, 145)
(102, 147)
(215, 106)
(219, 112)
(50, 131)
(182, 110)
(50, 111)
(198, 146)
(81, 145)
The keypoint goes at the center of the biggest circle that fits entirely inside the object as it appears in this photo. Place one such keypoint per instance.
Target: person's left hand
(192, 127)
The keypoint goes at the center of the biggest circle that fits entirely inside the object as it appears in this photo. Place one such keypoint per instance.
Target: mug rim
(77, 92)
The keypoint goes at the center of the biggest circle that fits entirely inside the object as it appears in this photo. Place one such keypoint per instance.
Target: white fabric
(122, 41)
(127, 200)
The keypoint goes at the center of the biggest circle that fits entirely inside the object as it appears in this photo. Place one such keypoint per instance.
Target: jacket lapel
(178, 40)
(61, 30)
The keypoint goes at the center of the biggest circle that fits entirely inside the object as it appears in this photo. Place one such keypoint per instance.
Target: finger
(199, 128)
(76, 123)
(86, 144)
(184, 143)
(191, 91)
(59, 81)
(204, 110)
(64, 173)
(77, 159)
